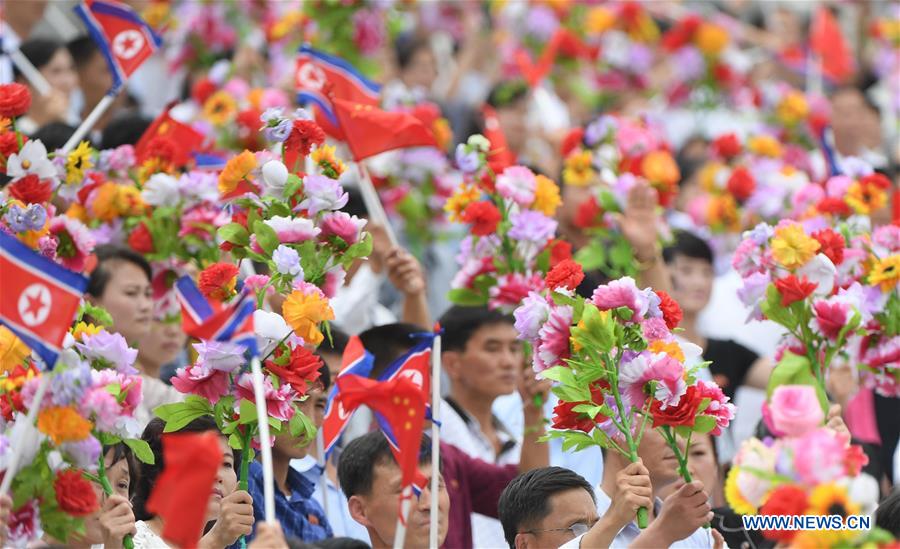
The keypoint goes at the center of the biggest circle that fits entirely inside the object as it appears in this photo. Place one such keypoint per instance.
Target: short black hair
(39, 51)
(506, 93)
(54, 135)
(121, 451)
(82, 49)
(360, 457)
(324, 377)
(126, 129)
(461, 322)
(688, 245)
(387, 343)
(527, 498)
(887, 516)
(406, 46)
(337, 343)
(341, 543)
(355, 204)
(101, 274)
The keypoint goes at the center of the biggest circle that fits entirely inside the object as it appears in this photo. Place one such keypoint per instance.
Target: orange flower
(63, 424)
(711, 39)
(660, 168)
(12, 351)
(765, 145)
(304, 311)
(671, 348)
(236, 170)
(599, 20)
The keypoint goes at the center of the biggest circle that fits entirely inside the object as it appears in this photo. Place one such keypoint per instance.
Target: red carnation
(74, 493)
(723, 74)
(483, 216)
(741, 184)
(571, 141)
(685, 413)
(202, 89)
(301, 370)
(560, 250)
(141, 240)
(217, 281)
(876, 180)
(831, 318)
(589, 214)
(9, 144)
(15, 99)
(10, 404)
(834, 206)
(727, 146)
(854, 460)
(793, 289)
(566, 274)
(670, 308)
(833, 244)
(304, 135)
(565, 417)
(788, 499)
(31, 189)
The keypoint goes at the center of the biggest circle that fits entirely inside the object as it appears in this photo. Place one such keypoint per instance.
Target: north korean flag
(358, 361)
(39, 297)
(124, 38)
(211, 320)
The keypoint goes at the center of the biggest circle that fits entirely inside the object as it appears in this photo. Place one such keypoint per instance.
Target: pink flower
(621, 293)
(795, 409)
(74, 242)
(278, 401)
(655, 328)
(748, 258)
(290, 230)
(511, 289)
(531, 315)
(472, 269)
(202, 222)
(101, 406)
(343, 225)
(808, 195)
(819, 456)
(831, 316)
(201, 380)
(334, 280)
(552, 345)
(517, 183)
(668, 372)
(258, 282)
(719, 407)
(24, 524)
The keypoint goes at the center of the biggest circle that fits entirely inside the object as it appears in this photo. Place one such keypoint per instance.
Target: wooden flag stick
(31, 73)
(373, 204)
(90, 121)
(435, 438)
(265, 440)
(29, 419)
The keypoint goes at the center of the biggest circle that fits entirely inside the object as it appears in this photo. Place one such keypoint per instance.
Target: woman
(55, 64)
(120, 283)
(231, 509)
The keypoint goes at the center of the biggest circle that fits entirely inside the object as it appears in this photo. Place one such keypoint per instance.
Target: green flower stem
(244, 480)
(682, 457)
(127, 541)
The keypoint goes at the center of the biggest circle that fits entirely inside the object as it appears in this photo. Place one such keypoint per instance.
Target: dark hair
(338, 342)
(527, 498)
(387, 343)
(54, 135)
(82, 49)
(360, 457)
(687, 245)
(324, 377)
(125, 130)
(101, 274)
(149, 473)
(407, 45)
(460, 323)
(39, 51)
(342, 543)
(121, 451)
(355, 203)
(506, 93)
(887, 516)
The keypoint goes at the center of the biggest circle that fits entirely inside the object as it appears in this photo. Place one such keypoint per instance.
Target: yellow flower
(865, 198)
(707, 176)
(886, 272)
(156, 14)
(324, 157)
(77, 211)
(442, 132)
(791, 246)
(12, 351)
(304, 312)
(599, 20)
(129, 201)
(17, 378)
(671, 348)
(578, 170)
(722, 213)
(77, 162)
(236, 169)
(733, 495)
(63, 424)
(829, 499)
(103, 207)
(546, 196)
(793, 109)
(82, 329)
(254, 97)
(660, 168)
(290, 21)
(765, 145)
(462, 197)
(5, 124)
(220, 108)
(711, 39)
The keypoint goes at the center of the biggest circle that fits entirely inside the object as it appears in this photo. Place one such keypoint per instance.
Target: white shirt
(335, 503)
(356, 307)
(146, 538)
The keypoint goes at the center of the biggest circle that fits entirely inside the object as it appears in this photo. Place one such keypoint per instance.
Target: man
(483, 358)
(370, 478)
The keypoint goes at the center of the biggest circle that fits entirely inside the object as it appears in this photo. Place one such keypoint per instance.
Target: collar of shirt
(300, 487)
(626, 536)
(507, 440)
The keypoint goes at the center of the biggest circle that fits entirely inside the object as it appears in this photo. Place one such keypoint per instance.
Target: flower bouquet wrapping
(512, 244)
(617, 365)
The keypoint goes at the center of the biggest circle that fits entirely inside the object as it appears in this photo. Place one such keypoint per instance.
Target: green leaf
(788, 369)
(562, 374)
(598, 331)
(363, 248)
(466, 297)
(280, 209)
(97, 314)
(179, 414)
(704, 424)
(234, 233)
(608, 201)
(301, 427)
(292, 186)
(775, 312)
(591, 257)
(266, 237)
(247, 411)
(141, 450)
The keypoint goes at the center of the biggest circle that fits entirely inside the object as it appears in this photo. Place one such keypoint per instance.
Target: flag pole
(405, 505)
(373, 204)
(29, 419)
(323, 463)
(90, 121)
(31, 73)
(435, 437)
(265, 440)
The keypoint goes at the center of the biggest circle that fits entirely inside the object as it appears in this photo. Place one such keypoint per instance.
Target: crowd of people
(708, 192)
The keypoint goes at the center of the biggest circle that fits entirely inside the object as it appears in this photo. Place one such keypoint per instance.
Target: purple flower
(760, 234)
(109, 348)
(279, 132)
(84, 453)
(690, 63)
(517, 183)
(220, 355)
(599, 130)
(467, 161)
(287, 261)
(32, 218)
(531, 315)
(322, 193)
(541, 22)
(640, 58)
(71, 384)
(531, 226)
(753, 292)
(608, 427)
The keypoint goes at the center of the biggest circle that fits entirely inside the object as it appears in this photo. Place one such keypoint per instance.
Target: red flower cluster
(202, 89)
(589, 214)
(571, 141)
(304, 135)
(670, 308)
(217, 281)
(31, 189)
(726, 146)
(788, 499)
(9, 144)
(560, 250)
(15, 99)
(683, 414)
(833, 244)
(301, 369)
(566, 274)
(74, 493)
(141, 240)
(681, 33)
(483, 216)
(855, 459)
(834, 206)
(793, 289)
(565, 416)
(741, 184)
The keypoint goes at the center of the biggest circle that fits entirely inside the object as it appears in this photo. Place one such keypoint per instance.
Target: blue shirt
(338, 509)
(301, 516)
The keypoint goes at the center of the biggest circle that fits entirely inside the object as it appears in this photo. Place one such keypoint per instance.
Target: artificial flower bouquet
(512, 242)
(618, 366)
(89, 404)
(614, 154)
(806, 469)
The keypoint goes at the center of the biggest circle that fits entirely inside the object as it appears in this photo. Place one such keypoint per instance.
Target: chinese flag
(183, 489)
(186, 138)
(369, 130)
(828, 42)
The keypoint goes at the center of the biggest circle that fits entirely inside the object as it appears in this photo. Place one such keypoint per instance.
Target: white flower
(161, 190)
(270, 325)
(32, 159)
(275, 175)
(821, 271)
(28, 441)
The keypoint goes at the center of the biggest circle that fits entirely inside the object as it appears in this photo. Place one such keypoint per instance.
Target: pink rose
(795, 409)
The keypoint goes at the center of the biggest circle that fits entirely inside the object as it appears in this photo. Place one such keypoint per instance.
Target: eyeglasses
(577, 529)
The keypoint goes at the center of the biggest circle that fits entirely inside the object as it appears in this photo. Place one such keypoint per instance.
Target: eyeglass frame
(570, 528)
